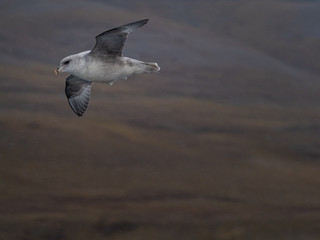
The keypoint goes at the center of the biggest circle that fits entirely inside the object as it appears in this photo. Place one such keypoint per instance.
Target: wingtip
(79, 114)
(140, 23)
(145, 21)
(78, 111)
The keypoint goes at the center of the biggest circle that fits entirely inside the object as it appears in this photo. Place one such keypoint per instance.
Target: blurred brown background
(223, 143)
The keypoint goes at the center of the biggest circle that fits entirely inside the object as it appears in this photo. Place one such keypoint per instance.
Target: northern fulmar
(104, 63)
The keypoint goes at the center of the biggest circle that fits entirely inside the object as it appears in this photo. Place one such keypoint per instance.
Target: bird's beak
(57, 70)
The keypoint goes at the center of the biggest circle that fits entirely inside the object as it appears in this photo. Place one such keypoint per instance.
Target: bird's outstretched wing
(111, 42)
(78, 93)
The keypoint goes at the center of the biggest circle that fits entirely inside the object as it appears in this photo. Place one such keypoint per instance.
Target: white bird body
(106, 70)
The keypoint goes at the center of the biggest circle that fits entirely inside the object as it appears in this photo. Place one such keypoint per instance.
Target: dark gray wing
(111, 42)
(78, 93)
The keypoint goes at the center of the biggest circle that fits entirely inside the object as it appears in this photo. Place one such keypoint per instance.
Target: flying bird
(104, 63)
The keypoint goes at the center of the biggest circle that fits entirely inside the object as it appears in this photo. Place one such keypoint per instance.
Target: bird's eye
(66, 62)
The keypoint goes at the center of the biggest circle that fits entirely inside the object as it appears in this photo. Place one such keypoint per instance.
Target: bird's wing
(78, 93)
(111, 42)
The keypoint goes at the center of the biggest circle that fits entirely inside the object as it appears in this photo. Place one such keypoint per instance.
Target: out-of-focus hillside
(221, 144)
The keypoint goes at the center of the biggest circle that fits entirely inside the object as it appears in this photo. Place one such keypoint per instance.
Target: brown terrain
(223, 143)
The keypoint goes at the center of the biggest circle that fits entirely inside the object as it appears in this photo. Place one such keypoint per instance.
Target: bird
(104, 63)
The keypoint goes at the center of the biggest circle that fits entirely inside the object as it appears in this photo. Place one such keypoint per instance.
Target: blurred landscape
(223, 143)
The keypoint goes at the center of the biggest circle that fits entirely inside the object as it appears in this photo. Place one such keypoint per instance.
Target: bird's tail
(151, 67)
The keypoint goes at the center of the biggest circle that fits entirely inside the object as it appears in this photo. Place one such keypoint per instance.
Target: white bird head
(71, 64)
(66, 65)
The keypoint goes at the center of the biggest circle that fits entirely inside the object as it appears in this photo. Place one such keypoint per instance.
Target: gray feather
(111, 42)
(78, 94)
